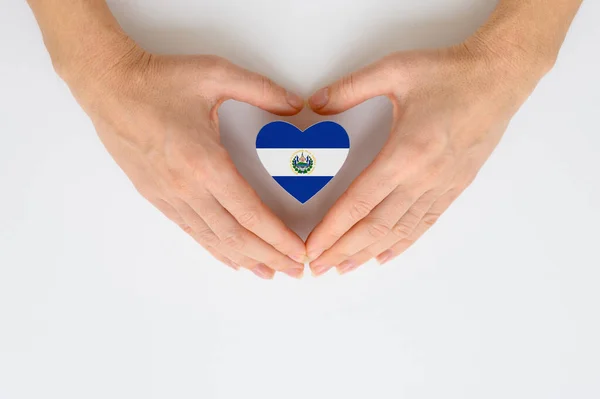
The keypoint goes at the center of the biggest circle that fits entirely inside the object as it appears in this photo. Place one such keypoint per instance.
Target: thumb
(242, 85)
(371, 81)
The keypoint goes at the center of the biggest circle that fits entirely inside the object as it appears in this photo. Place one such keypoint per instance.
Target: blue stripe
(281, 134)
(302, 188)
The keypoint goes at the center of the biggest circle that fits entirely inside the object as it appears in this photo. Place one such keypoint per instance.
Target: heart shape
(302, 163)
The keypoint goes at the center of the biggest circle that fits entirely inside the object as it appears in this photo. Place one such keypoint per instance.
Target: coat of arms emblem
(302, 162)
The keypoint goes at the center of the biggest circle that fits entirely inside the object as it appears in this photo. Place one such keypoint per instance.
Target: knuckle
(249, 219)
(214, 65)
(234, 239)
(430, 219)
(348, 86)
(267, 86)
(387, 162)
(175, 176)
(378, 228)
(208, 238)
(427, 147)
(360, 209)
(402, 229)
(211, 71)
(187, 229)
(179, 185)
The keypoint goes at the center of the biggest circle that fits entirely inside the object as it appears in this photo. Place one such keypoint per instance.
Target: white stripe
(327, 161)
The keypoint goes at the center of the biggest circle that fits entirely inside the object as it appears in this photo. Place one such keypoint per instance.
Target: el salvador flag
(302, 162)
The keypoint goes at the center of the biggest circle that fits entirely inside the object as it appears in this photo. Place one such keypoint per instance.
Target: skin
(157, 116)
(451, 108)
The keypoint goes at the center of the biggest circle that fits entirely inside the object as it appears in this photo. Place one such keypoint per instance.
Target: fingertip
(263, 271)
(294, 100)
(314, 254)
(295, 273)
(319, 100)
(318, 270)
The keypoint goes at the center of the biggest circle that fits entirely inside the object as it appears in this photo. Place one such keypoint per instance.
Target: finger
(399, 165)
(432, 216)
(368, 190)
(374, 227)
(258, 269)
(235, 236)
(378, 249)
(377, 79)
(392, 220)
(402, 229)
(170, 212)
(252, 88)
(263, 271)
(202, 234)
(235, 195)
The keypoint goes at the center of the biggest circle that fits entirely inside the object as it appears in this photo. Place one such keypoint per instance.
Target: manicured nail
(319, 99)
(295, 100)
(314, 254)
(263, 271)
(385, 257)
(295, 273)
(346, 266)
(319, 270)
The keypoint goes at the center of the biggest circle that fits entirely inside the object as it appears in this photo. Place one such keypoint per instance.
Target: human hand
(451, 107)
(157, 116)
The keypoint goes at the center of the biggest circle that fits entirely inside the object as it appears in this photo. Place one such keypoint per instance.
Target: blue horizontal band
(281, 134)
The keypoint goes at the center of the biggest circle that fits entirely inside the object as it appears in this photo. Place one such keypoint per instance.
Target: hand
(451, 107)
(157, 116)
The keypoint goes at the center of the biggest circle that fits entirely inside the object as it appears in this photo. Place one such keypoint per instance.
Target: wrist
(110, 70)
(522, 36)
(519, 56)
(505, 62)
(92, 59)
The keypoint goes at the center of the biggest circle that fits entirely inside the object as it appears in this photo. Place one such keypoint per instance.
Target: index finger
(368, 190)
(242, 202)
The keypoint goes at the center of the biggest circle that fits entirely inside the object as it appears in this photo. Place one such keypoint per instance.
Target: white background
(102, 297)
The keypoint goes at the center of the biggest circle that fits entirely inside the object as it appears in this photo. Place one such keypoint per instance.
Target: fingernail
(295, 100)
(346, 266)
(385, 257)
(262, 271)
(319, 99)
(295, 273)
(319, 270)
(299, 258)
(314, 254)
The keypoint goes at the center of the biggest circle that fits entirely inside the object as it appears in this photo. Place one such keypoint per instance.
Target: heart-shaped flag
(302, 162)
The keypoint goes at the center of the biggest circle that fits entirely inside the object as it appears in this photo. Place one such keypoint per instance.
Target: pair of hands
(157, 116)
